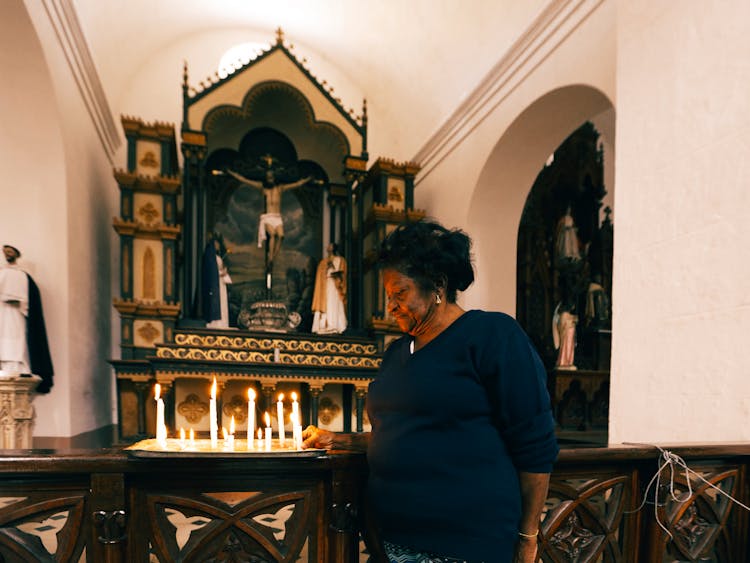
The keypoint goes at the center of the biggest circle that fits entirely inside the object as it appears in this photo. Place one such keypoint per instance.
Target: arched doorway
(503, 189)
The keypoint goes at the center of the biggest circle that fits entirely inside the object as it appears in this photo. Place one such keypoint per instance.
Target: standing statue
(564, 335)
(566, 240)
(215, 278)
(270, 225)
(597, 304)
(23, 336)
(329, 297)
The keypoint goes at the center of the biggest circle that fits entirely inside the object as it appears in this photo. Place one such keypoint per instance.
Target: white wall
(57, 207)
(681, 275)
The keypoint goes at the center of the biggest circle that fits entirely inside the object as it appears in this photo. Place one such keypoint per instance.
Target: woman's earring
(437, 299)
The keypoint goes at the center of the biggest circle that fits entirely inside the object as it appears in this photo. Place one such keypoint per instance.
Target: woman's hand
(526, 550)
(314, 437)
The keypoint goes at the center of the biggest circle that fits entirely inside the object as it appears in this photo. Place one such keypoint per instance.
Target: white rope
(673, 461)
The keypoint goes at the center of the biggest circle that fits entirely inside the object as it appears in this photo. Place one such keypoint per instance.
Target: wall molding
(557, 21)
(64, 20)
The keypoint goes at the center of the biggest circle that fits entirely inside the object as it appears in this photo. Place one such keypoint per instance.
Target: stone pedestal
(16, 411)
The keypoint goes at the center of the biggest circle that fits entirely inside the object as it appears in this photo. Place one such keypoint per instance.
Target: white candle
(231, 426)
(212, 420)
(260, 438)
(280, 417)
(192, 438)
(295, 407)
(250, 418)
(296, 431)
(268, 432)
(182, 438)
(161, 429)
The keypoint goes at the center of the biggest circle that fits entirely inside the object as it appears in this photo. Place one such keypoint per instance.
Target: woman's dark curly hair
(430, 254)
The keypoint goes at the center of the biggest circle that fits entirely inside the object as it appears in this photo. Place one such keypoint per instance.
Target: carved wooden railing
(108, 506)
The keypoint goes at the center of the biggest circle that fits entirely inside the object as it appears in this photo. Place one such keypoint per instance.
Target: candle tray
(202, 448)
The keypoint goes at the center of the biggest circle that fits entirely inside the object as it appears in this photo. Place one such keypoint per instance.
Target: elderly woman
(462, 440)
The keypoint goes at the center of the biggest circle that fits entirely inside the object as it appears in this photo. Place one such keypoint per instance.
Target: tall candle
(250, 417)
(280, 417)
(161, 429)
(192, 438)
(296, 431)
(268, 432)
(182, 438)
(295, 407)
(213, 422)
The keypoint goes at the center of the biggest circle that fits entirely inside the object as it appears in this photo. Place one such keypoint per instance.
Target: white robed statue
(14, 308)
(329, 296)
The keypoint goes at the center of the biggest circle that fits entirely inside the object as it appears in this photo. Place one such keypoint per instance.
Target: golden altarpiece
(268, 126)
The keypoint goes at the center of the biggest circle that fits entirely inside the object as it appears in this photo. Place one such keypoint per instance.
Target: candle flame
(157, 392)
(182, 433)
(294, 396)
(268, 419)
(251, 394)
(260, 434)
(281, 397)
(213, 389)
(192, 435)
(231, 425)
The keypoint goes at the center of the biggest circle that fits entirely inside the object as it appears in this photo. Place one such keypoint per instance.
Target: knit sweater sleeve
(516, 380)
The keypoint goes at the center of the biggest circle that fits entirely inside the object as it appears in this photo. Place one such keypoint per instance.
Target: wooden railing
(109, 506)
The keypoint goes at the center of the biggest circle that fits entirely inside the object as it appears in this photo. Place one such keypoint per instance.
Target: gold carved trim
(153, 309)
(249, 342)
(193, 409)
(138, 183)
(243, 356)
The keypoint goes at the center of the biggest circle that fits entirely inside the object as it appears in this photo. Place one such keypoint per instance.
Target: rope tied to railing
(675, 463)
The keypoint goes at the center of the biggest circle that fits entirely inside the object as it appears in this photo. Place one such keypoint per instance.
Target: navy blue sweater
(452, 425)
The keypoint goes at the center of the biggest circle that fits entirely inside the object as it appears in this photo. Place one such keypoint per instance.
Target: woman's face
(406, 302)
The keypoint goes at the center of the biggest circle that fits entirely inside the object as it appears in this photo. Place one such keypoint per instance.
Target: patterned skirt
(401, 554)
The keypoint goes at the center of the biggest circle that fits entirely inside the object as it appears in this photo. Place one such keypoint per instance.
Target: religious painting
(238, 185)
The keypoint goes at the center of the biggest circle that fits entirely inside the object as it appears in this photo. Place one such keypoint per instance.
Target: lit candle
(296, 431)
(182, 438)
(212, 421)
(295, 407)
(192, 438)
(231, 433)
(250, 417)
(280, 417)
(260, 438)
(268, 432)
(161, 429)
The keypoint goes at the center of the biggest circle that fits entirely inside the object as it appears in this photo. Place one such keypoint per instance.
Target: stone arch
(506, 178)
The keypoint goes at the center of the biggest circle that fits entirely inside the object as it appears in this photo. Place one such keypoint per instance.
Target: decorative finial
(279, 36)
(364, 110)
(184, 75)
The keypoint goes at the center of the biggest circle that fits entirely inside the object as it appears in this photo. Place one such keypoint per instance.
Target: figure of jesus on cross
(270, 224)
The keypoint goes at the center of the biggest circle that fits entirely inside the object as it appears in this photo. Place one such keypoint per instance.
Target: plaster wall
(59, 217)
(482, 184)
(681, 301)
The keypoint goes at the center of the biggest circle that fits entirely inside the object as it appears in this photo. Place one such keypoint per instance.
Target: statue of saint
(23, 337)
(270, 225)
(597, 304)
(329, 297)
(564, 323)
(566, 240)
(215, 281)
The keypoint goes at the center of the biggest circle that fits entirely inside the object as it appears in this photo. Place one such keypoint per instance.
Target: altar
(251, 260)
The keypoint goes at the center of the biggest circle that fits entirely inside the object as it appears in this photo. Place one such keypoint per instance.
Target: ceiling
(414, 60)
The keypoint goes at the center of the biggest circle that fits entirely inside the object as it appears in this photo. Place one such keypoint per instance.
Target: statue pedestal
(16, 411)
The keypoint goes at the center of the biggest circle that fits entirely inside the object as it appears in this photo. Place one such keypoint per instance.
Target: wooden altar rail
(108, 506)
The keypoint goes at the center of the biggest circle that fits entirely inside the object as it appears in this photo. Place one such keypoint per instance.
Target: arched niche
(506, 178)
(277, 105)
